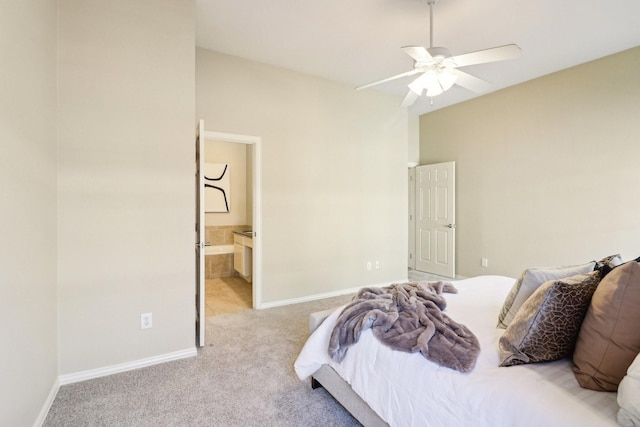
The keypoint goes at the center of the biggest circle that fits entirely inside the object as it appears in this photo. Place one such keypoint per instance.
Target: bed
(380, 386)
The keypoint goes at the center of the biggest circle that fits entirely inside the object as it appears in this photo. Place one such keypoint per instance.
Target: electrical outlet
(146, 320)
(377, 265)
(485, 262)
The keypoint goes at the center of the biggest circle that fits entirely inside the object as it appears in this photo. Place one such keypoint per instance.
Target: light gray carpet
(243, 377)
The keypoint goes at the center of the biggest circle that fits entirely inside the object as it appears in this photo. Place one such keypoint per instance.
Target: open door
(436, 218)
(200, 237)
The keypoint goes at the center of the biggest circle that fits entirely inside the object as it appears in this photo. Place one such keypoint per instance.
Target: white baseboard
(47, 404)
(324, 295)
(128, 366)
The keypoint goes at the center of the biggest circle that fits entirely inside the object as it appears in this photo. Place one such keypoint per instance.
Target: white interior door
(435, 219)
(200, 236)
(412, 218)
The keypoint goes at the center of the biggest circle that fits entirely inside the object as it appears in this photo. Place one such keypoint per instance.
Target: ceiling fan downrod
(431, 3)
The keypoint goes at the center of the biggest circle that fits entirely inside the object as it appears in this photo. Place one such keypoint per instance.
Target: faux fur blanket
(407, 317)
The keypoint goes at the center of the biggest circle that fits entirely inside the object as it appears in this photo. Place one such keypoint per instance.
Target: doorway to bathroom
(228, 231)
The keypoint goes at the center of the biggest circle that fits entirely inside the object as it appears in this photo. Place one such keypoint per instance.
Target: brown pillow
(547, 325)
(609, 337)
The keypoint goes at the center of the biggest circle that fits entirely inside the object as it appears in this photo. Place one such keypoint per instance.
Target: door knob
(450, 226)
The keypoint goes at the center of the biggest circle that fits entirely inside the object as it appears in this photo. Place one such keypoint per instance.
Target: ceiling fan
(439, 70)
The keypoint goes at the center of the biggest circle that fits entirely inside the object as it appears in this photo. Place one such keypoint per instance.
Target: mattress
(407, 390)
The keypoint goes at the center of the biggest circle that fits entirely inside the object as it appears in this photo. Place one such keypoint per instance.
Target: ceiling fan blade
(473, 83)
(409, 99)
(501, 53)
(388, 79)
(418, 53)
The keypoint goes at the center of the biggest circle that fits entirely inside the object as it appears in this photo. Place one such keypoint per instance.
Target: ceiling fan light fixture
(439, 71)
(434, 91)
(435, 81)
(446, 78)
(416, 89)
(421, 83)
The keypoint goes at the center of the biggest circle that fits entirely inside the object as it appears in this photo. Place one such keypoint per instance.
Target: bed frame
(327, 378)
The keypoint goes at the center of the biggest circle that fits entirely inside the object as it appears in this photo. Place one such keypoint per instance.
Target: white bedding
(408, 390)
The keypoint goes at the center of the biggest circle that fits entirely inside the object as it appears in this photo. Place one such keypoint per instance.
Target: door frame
(200, 238)
(256, 143)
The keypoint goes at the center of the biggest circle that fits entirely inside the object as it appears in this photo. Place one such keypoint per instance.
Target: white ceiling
(358, 41)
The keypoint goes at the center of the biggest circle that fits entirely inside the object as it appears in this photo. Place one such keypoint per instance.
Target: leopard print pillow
(547, 325)
(529, 281)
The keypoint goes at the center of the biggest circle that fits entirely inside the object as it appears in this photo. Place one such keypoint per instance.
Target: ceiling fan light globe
(417, 89)
(416, 86)
(429, 78)
(425, 81)
(434, 91)
(447, 79)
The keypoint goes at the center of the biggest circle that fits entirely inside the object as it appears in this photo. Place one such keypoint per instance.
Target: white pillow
(530, 280)
(629, 396)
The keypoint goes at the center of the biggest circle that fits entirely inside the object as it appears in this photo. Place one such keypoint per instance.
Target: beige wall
(334, 168)
(235, 155)
(547, 170)
(28, 306)
(126, 163)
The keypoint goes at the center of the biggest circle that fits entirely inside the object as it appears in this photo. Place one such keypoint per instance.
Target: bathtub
(218, 261)
(218, 249)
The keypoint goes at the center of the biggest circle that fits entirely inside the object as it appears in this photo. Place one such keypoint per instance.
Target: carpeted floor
(243, 377)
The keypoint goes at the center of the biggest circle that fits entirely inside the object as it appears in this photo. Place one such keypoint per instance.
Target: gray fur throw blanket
(407, 317)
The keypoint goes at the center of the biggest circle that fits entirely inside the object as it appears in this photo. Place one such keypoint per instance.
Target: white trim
(257, 223)
(256, 141)
(128, 366)
(231, 137)
(323, 295)
(47, 403)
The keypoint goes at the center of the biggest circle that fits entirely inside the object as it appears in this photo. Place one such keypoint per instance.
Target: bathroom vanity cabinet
(242, 251)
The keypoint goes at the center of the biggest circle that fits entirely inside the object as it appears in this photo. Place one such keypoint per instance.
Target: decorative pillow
(530, 280)
(605, 265)
(629, 396)
(547, 325)
(609, 337)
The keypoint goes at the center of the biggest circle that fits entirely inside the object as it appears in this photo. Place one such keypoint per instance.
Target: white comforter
(407, 390)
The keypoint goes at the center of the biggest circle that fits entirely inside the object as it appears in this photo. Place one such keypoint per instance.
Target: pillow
(529, 281)
(547, 325)
(605, 265)
(609, 337)
(629, 396)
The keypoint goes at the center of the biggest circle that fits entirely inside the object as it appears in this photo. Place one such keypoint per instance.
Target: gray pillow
(547, 325)
(529, 281)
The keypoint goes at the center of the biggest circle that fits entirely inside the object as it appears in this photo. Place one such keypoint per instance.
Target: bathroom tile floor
(227, 295)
